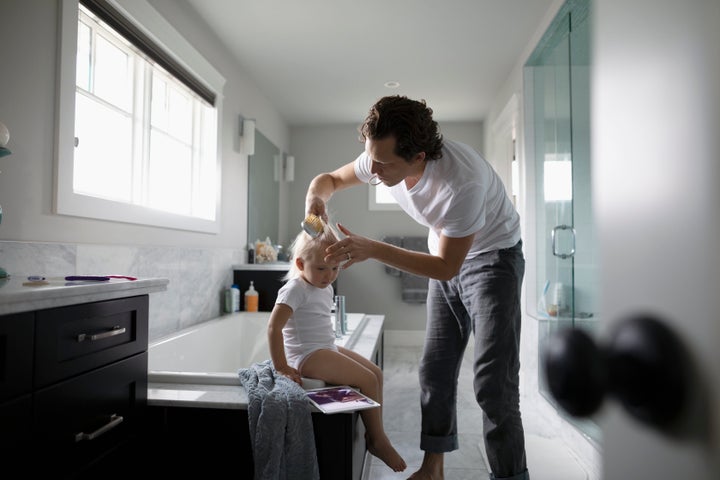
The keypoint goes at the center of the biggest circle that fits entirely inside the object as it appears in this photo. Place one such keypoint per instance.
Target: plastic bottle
(251, 298)
(232, 299)
(235, 289)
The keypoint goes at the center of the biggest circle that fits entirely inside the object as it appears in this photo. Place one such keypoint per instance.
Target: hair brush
(313, 225)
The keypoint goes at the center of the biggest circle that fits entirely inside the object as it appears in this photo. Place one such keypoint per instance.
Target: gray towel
(413, 288)
(281, 428)
(398, 242)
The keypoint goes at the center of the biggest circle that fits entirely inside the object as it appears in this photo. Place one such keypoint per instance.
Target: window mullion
(197, 177)
(141, 142)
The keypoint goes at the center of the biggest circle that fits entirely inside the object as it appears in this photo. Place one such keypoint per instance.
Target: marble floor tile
(401, 415)
(548, 458)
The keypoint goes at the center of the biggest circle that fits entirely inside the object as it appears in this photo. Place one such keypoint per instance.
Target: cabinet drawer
(75, 339)
(16, 354)
(15, 427)
(82, 419)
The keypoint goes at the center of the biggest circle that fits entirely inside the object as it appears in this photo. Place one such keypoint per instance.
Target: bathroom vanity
(73, 373)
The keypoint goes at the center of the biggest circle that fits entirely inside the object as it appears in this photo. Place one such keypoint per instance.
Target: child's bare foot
(384, 450)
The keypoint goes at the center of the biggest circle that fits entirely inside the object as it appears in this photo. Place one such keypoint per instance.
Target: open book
(340, 399)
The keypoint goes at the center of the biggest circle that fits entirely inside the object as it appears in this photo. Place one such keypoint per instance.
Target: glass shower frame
(557, 92)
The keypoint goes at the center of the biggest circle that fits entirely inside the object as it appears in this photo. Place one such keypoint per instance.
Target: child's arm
(278, 318)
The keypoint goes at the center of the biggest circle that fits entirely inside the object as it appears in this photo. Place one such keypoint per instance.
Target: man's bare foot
(431, 468)
(384, 450)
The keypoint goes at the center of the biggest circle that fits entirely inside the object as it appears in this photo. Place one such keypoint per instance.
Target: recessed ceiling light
(392, 84)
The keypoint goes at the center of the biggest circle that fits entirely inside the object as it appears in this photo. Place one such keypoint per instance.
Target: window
(137, 139)
(379, 198)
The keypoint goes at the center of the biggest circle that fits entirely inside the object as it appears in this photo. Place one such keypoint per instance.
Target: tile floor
(547, 458)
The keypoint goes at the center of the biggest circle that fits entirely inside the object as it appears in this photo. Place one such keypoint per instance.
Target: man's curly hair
(409, 121)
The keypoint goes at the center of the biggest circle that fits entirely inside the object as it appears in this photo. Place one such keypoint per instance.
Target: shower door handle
(555, 233)
(644, 365)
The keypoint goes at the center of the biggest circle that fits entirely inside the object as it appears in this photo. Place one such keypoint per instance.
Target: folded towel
(281, 428)
(398, 242)
(418, 244)
(414, 288)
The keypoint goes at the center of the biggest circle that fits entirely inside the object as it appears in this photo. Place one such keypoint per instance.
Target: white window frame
(67, 202)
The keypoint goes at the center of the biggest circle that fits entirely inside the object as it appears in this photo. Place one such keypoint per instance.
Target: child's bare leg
(349, 368)
(378, 442)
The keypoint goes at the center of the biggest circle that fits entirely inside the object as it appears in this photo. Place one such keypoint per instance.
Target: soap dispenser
(251, 298)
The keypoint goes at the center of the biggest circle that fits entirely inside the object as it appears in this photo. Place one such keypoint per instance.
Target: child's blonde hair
(304, 245)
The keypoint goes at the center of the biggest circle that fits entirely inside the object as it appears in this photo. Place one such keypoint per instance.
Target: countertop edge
(39, 298)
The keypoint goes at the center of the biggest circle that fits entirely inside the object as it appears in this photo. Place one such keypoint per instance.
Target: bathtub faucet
(340, 316)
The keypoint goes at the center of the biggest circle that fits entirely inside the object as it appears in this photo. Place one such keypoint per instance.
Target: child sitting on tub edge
(302, 340)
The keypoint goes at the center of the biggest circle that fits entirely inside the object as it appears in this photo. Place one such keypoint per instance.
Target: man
(475, 267)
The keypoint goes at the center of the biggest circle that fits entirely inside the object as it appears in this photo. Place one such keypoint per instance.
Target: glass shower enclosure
(557, 93)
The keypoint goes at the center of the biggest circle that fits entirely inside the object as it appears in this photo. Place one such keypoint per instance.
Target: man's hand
(351, 249)
(316, 206)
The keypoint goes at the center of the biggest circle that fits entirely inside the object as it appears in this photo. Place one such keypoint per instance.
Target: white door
(656, 174)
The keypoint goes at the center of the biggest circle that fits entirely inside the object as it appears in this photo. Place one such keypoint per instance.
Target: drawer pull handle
(116, 330)
(115, 420)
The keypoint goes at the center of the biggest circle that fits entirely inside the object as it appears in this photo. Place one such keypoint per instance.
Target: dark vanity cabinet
(267, 280)
(73, 386)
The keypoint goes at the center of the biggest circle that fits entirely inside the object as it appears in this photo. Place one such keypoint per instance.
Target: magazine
(340, 399)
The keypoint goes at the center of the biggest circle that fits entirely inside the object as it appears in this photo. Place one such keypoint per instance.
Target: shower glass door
(557, 83)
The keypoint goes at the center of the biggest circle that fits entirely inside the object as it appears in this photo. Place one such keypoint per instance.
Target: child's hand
(292, 374)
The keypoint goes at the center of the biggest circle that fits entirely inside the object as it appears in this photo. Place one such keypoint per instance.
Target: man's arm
(323, 186)
(443, 266)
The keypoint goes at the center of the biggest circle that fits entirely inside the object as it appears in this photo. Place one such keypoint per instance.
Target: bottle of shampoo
(251, 298)
(232, 299)
(235, 292)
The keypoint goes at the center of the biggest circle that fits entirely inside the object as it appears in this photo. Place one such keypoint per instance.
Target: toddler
(302, 340)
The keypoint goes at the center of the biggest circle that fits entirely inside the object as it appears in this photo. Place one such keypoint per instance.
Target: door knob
(643, 365)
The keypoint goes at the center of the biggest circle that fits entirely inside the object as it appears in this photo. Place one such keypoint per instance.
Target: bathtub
(194, 392)
(212, 352)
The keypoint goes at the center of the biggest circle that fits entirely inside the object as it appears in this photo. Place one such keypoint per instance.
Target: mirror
(263, 191)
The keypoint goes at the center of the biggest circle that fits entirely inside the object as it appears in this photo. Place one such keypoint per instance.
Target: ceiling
(327, 61)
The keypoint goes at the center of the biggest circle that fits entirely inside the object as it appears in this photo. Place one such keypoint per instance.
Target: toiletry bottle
(235, 298)
(251, 298)
(228, 300)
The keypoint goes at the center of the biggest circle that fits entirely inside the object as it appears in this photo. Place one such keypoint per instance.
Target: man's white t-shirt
(459, 194)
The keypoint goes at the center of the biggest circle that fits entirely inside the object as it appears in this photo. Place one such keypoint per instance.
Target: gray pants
(484, 300)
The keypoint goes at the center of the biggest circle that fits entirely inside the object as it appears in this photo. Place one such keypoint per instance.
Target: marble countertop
(281, 266)
(18, 294)
(235, 397)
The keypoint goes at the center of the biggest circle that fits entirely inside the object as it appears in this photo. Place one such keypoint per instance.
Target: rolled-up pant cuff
(429, 443)
(520, 476)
